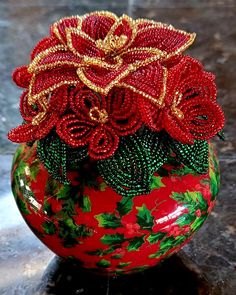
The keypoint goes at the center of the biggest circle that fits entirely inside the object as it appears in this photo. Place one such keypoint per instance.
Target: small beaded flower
(119, 93)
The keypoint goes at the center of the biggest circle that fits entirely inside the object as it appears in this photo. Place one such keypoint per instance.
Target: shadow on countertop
(171, 277)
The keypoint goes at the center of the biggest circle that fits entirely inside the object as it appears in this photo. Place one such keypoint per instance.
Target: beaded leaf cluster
(119, 92)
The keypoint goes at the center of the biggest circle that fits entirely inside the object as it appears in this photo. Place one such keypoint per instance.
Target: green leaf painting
(156, 182)
(124, 206)
(108, 220)
(49, 227)
(155, 237)
(144, 217)
(135, 243)
(85, 204)
(103, 263)
(113, 239)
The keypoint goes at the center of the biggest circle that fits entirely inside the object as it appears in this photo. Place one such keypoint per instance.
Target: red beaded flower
(187, 109)
(103, 51)
(98, 121)
(41, 117)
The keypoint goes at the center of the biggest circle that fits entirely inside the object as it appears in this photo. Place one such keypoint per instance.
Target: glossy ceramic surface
(88, 221)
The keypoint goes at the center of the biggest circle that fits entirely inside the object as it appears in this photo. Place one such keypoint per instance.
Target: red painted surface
(92, 227)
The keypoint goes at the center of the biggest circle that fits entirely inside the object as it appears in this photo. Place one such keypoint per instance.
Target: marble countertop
(207, 265)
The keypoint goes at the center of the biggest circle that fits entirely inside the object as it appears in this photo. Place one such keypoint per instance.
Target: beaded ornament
(119, 93)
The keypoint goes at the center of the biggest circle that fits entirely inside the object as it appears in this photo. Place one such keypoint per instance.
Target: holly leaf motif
(113, 239)
(144, 217)
(198, 222)
(65, 192)
(185, 219)
(85, 204)
(103, 263)
(191, 200)
(169, 243)
(102, 252)
(22, 206)
(214, 183)
(102, 186)
(34, 170)
(108, 220)
(125, 206)
(135, 243)
(156, 182)
(123, 264)
(49, 227)
(47, 207)
(155, 237)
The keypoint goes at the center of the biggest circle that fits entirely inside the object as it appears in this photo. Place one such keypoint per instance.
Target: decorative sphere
(90, 222)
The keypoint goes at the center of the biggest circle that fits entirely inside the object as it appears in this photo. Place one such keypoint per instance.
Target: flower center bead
(112, 43)
(97, 115)
(174, 108)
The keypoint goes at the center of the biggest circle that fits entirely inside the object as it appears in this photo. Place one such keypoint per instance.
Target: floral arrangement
(120, 94)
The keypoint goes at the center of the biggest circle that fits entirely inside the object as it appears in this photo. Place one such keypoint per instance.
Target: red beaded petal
(28, 112)
(103, 143)
(163, 37)
(204, 118)
(82, 100)
(58, 30)
(44, 44)
(81, 45)
(123, 111)
(95, 77)
(58, 100)
(97, 26)
(47, 81)
(123, 27)
(152, 115)
(21, 76)
(176, 128)
(147, 80)
(74, 131)
(58, 58)
(29, 132)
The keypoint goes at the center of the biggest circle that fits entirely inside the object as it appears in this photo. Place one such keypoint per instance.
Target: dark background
(209, 260)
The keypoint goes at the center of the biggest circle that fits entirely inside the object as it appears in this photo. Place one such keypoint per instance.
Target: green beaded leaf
(155, 143)
(129, 171)
(52, 152)
(193, 156)
(56, 156)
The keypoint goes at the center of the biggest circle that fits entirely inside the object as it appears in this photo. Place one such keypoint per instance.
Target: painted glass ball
(107, 232)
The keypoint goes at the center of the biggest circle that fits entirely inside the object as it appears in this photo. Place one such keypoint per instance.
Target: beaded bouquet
(115, 155)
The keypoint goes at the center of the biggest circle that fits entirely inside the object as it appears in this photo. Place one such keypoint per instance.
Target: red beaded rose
(98, 121)
(188, 108)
